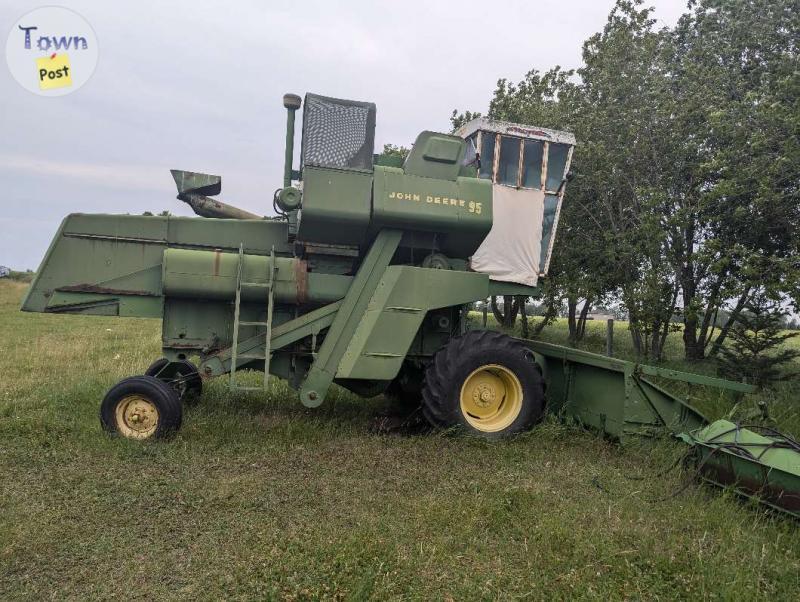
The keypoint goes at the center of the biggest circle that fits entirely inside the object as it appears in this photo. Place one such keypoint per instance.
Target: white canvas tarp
(511, 251)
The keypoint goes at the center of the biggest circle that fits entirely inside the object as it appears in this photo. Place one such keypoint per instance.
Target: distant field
(259, 498)
(17, 276)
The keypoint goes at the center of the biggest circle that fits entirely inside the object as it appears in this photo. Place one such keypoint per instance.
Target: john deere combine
(364, 279)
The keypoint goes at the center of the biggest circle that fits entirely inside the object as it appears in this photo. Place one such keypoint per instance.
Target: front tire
(141, 407)
(485, 383)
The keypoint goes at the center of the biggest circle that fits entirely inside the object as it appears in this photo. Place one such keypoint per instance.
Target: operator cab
(528, 168)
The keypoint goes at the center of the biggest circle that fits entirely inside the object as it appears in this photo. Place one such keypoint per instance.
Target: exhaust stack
(292, 103)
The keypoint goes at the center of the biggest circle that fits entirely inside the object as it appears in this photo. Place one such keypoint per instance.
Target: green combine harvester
(364, 279)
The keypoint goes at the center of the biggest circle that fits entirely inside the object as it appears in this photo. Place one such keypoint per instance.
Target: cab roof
(514, 129)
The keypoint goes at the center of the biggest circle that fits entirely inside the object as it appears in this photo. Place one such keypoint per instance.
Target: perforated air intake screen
(338, 133)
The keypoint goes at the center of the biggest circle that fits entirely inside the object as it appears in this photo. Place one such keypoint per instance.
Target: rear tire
(141, 407)
(182, 376)
(485, 383)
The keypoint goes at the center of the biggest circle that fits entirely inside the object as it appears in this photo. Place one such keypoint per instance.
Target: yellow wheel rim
(491, 398)
(136, 417)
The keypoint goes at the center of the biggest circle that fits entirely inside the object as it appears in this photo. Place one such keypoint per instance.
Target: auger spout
(195, 189)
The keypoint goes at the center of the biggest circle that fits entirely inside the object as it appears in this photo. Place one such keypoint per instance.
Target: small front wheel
(141, 407)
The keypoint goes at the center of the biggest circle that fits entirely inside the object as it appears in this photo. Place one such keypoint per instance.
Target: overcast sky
(197, 85)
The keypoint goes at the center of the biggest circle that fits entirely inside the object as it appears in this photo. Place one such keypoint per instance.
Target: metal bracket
(320, 376)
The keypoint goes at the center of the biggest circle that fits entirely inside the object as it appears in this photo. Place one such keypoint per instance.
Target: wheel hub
(484, 395)
(136, 417)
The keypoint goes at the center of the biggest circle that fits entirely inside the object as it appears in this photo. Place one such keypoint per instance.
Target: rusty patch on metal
(102, 290)
(528, 131)
(720, 470)
(131, 239)
(301, 280)
(217, 259)
(173, 345)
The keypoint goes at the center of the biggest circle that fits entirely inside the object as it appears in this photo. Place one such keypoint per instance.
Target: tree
(506, 314)
(458, 119)
(609, 238)
(392, 150)
(730, 67)
(687, 169)
(757, 352)
(620, 171)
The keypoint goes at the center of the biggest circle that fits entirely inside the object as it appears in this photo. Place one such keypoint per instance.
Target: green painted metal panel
(258, 236)
(99, 254)
(436, 155)
(459, 211)
(498, 287)
(193, 324)
(615, 396)
(760, 447)
(136, 228)
(291, 331)
(202, 326)
(212, 275)
(395, 313)
(336, 206)
(124, 306)
(120, 256)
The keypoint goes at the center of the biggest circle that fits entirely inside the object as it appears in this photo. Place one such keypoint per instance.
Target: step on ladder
(235, 356)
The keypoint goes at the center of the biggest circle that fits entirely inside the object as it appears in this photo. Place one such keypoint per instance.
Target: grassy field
(259, 498)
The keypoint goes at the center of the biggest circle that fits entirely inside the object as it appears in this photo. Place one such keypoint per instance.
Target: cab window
(471, 154)
(532, 164)
(556, 162)
(487, 155)
(508, 166)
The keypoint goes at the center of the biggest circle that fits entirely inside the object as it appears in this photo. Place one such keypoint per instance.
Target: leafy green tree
(458, 119)
(618, 171)
(392, 155)
(392, 150)
(687, 170)
(729, 146)
(757, 352)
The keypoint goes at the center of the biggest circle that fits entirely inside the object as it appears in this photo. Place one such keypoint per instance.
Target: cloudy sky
(197, 85)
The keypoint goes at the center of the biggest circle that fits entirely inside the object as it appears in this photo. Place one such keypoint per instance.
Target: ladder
(235, 355)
